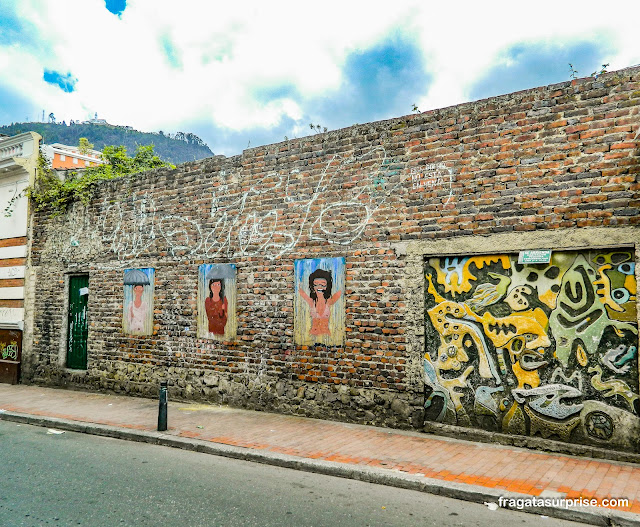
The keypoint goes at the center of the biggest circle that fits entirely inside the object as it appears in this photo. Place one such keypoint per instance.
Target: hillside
(175, 149)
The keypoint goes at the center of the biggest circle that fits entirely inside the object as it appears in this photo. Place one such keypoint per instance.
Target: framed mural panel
(319, 301)
(137, 315)
(217, 302)
(545, 349)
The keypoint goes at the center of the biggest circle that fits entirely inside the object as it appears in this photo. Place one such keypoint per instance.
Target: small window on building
(62, 157)
(86, 163)
(75, 160)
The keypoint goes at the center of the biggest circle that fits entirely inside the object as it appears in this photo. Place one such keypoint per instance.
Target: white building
(18, 165)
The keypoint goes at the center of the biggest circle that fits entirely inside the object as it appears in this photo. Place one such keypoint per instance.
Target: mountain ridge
(176, 149)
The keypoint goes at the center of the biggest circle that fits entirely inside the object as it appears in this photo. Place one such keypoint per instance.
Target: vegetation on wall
(49, 190)
(172, 148)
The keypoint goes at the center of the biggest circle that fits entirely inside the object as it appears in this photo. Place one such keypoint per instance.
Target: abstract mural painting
(319, 301)
(217, 302)
(137, 315)
(545, 349)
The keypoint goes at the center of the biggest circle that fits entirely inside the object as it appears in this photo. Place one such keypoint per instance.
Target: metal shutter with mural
(544, 349)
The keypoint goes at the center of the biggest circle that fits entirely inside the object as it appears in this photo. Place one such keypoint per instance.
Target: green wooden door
(77, 327)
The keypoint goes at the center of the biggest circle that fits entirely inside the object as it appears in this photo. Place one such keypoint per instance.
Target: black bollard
(162, 407)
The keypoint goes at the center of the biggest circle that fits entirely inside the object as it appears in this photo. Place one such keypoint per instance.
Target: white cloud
(162, 64)
(463, 40)
(223, 54)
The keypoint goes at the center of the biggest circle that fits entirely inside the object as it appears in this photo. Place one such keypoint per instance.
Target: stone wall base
(337, 402)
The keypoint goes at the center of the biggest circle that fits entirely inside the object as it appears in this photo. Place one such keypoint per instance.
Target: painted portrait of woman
(216, 306)
(319, 308)
(138, 310)
(217, 301)
(138, 301)
(320, 300)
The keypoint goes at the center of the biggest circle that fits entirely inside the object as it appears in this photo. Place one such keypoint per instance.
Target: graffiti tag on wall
(434, 176)
(9, 351)
(335, 208)
(548, 349)
(10, 344)
(238, 227)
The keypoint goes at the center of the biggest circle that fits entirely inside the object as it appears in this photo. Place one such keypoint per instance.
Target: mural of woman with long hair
(217, 302)
(216, 306)
(320, 300)
(319, 314)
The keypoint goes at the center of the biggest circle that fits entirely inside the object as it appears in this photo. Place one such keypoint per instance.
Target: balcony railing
(15, 150)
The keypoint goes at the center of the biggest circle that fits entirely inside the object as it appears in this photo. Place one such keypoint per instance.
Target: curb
(531, 443)
(473, 493)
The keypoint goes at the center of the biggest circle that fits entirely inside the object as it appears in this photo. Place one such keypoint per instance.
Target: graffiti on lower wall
(10, 344)
(319, 301)
(545, 349)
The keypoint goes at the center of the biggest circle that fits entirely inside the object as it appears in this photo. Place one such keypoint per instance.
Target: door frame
(64, 341)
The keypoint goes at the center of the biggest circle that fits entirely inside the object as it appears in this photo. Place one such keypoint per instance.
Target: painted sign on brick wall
(545, 349)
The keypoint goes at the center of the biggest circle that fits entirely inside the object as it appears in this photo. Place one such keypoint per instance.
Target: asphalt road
(74, 479)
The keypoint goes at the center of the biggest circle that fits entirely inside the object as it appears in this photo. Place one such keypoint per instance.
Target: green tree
(84, 145)
(50, 191)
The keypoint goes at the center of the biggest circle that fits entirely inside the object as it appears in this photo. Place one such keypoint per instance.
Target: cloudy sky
(253, 72)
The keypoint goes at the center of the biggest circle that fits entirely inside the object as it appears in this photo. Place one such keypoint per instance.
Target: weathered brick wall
(470, 179)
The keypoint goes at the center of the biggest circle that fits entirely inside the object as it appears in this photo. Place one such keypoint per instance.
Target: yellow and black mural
(546, 349)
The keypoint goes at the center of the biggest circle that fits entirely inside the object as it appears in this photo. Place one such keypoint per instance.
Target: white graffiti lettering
(267, 218)
(432, 177)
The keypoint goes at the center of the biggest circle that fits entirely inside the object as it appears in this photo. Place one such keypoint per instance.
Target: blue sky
(257, 72)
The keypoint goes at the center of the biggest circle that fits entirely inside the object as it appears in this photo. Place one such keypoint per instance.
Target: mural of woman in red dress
(216, 306)
(217, 318)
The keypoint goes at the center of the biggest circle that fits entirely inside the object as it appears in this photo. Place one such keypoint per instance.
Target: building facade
(63, 157)
(468, 267)
(18, 164)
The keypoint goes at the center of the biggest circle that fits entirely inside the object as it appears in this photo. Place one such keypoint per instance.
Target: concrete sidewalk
(477, 472)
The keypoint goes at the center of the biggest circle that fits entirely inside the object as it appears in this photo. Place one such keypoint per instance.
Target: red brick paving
(486, 465)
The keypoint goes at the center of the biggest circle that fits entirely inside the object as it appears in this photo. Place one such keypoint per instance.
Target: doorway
(77, 323)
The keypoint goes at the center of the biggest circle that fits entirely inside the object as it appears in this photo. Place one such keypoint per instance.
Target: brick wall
(552, 167)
